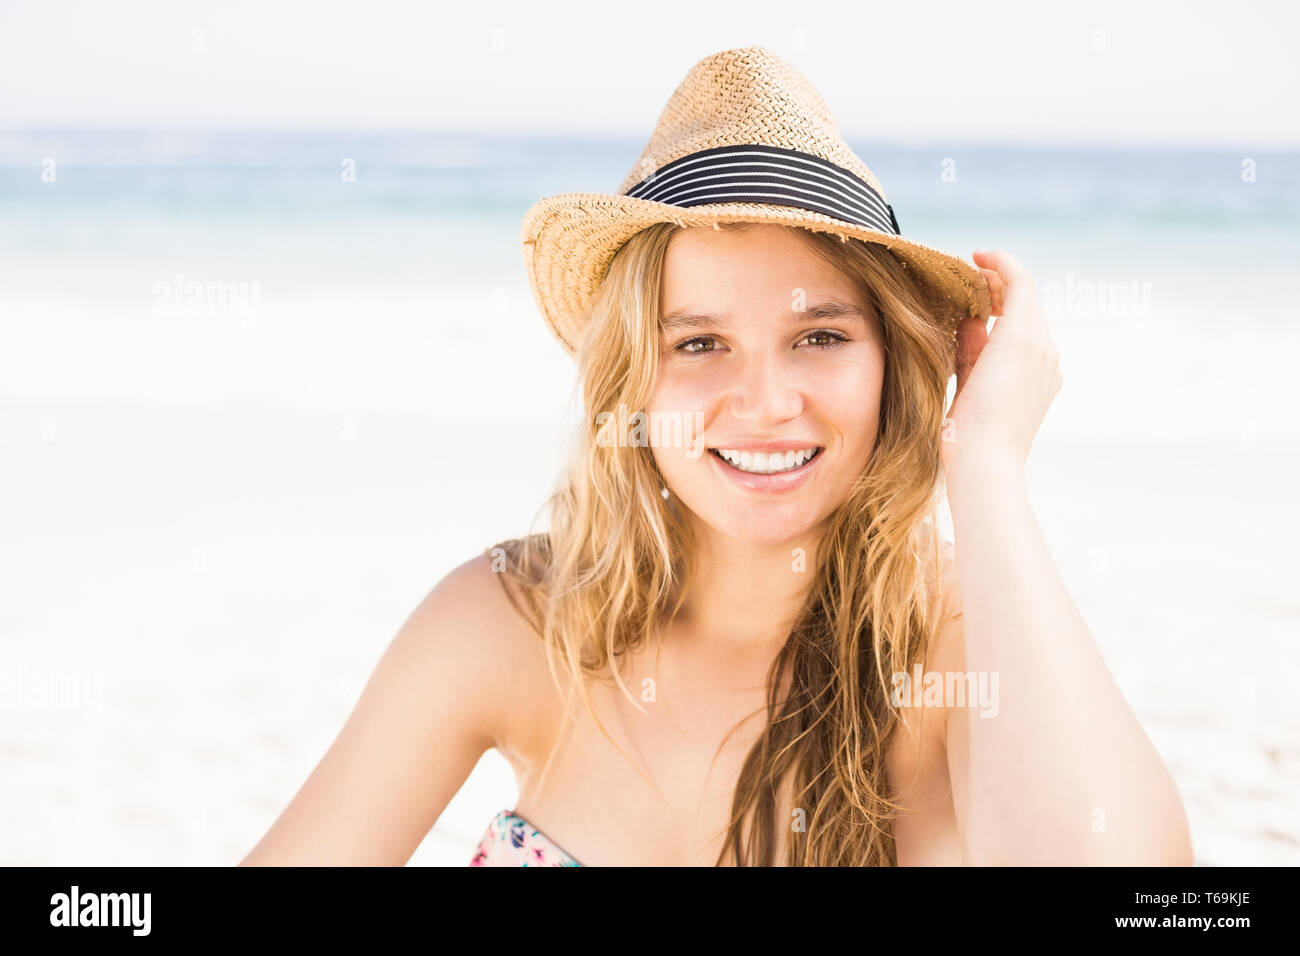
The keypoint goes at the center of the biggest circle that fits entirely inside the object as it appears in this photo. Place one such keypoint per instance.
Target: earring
(664, 491)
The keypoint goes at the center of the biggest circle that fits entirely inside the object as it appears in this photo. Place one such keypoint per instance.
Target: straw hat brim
(570, 239)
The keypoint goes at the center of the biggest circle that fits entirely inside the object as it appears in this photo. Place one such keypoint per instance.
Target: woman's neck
(744, 598)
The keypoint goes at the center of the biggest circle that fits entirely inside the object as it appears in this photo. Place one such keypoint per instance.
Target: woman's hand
(1006, 378)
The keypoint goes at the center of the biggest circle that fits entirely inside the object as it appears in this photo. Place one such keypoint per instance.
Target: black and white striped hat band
(768, 174)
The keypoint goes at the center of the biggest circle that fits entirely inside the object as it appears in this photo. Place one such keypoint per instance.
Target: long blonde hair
(616, 563)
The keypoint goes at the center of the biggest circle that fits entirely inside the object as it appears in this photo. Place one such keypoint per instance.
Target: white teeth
(763, 463)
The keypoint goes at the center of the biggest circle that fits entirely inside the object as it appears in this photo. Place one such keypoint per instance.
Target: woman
(741, 640)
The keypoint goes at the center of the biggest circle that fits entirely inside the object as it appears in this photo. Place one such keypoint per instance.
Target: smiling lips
(766, 462)
(768, 467)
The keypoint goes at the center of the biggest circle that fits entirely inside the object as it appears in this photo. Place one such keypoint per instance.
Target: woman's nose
(766, 391)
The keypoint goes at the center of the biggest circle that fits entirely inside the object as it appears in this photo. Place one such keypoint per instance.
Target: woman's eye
(829, 339)
(821, 339)
(700, 340)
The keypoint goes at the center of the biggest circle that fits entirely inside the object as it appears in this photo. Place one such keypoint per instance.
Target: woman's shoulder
(486, 595)
(468, 621)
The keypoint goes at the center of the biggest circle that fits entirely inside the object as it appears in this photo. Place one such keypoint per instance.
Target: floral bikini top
(511, 840)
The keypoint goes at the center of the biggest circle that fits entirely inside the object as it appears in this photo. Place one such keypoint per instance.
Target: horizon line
(619, 137)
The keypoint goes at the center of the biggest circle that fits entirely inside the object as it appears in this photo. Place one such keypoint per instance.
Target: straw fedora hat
(744, 138)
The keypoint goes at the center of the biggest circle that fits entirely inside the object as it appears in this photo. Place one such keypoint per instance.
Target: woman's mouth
(766, 463)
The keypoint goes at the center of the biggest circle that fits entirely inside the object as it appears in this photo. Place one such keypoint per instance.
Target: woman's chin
(766, 530)
(766, 524)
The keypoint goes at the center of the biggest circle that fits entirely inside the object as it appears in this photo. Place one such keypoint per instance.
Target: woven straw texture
(737, 97)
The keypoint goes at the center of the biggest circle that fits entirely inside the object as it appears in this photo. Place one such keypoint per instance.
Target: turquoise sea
(445, 207)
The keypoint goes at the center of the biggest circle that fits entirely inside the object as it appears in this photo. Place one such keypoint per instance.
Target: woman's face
(766, 350)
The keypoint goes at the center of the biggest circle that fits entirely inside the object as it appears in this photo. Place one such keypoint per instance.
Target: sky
(1104, 73)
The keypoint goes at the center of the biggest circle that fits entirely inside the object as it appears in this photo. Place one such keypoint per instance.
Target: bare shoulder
(439, 696)
(497, 649)
(470, 610)
(473, 593)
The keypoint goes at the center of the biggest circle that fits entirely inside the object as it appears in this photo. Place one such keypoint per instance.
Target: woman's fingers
(997, 288)
(1018, 285)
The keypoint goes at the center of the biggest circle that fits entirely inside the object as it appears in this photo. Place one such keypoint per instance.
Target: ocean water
(447, 207)
(217, 513)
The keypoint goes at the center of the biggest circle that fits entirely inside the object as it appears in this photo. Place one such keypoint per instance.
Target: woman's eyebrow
(830, 309)
(687, 319)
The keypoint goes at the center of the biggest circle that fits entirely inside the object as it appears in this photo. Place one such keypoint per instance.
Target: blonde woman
(741, 640)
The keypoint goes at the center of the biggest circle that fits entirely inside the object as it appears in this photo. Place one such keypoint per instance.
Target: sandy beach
(197, 588)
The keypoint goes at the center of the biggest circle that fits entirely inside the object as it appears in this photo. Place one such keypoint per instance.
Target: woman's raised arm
(1063, 774)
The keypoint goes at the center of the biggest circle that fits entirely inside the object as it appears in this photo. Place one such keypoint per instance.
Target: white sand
(213, 531)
